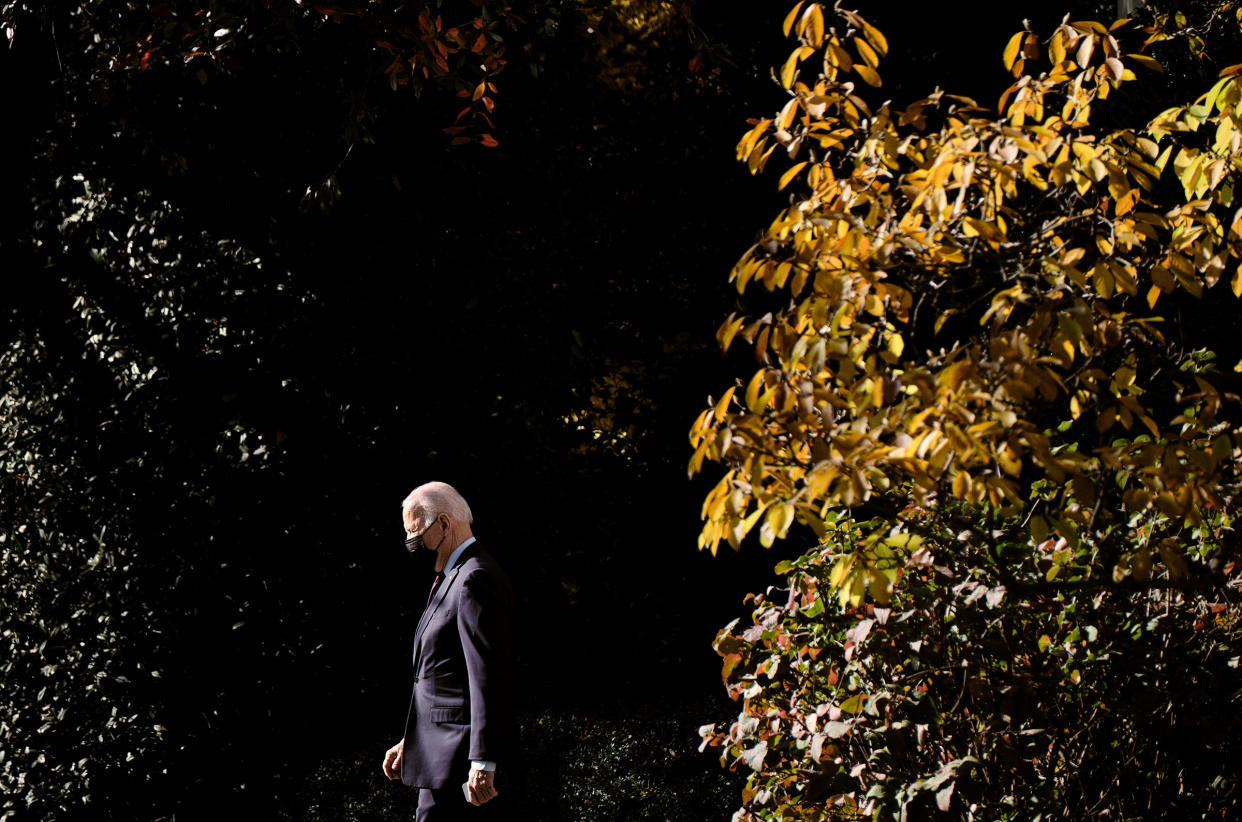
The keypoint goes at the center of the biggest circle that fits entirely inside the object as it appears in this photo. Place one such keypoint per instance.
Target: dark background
(208, 606)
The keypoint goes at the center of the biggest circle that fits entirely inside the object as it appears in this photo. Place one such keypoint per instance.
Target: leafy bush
(989, 384)
(981, 691)
(578, 765)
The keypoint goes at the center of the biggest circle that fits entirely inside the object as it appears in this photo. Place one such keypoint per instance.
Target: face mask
(415, 543)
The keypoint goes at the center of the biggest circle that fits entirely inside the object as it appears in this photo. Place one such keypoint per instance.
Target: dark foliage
(252, 297)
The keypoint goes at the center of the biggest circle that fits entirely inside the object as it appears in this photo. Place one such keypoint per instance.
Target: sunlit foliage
(992, 377)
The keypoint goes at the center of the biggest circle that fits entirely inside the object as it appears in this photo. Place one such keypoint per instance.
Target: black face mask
(415, 543)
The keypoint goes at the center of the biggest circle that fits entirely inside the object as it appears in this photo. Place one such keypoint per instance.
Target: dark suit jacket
(461, 706)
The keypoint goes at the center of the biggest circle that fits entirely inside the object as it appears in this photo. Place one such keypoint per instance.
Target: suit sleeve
(483, 623)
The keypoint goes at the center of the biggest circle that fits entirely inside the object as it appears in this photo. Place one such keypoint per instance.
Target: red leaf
(489, 141)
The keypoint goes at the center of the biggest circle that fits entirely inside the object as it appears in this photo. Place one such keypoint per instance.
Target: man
(460, 729)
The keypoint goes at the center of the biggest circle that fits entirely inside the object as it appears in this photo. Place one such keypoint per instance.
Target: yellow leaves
(841, 570)
(1084, 153)
(1012, 48)
(791, 17)
(1003, 303)
(748, 141)
(1042, 222)
(866, 52)
(1215, 97)
(811, 25)
(1024, 45)
(1056, 48)
(869, 75)
(1126, 202)
(759, 158)
(1030, 172)
(816, 105)
(1086, 47)
(948, 255)
(1078, 401)
(873, 35)
(751, 148)
(944, 316)
(723, 405)
(1199, 171)
(714, 511)
(871, 571)
(951, 377)
(727, 331)
(758, 394)
(1227, 141)
(1071, 256)
(1148, 147)
(1146, 62)
(1124, 276)
(836, 59)
(1118, 185)
(1009, 460)
(742, 274)
(786, 118)
(1103, 281)
(895, 345)
(752, 392)
(790, 174)
(828, 138)
(974, 227)
(790, 69)
(961, 485)
(1188, 165)
(776, 523)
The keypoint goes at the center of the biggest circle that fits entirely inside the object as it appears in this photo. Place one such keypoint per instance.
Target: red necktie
(434, 585)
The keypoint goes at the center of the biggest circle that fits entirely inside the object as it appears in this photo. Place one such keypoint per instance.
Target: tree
(991, 385)
(215, 390)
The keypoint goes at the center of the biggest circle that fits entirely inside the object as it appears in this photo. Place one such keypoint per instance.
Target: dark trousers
(449, 805)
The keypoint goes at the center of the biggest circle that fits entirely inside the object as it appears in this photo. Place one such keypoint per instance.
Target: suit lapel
(436, 600)
(442, 592)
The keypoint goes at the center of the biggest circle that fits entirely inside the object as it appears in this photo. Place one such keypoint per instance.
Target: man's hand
(392, 760)
(481, 786)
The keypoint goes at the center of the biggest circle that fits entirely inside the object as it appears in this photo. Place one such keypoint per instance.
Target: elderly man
(460, 730)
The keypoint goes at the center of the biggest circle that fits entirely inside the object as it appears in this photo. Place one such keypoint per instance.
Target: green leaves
(1024, 683)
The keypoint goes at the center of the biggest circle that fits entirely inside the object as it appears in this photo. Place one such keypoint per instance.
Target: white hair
(435, 498)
